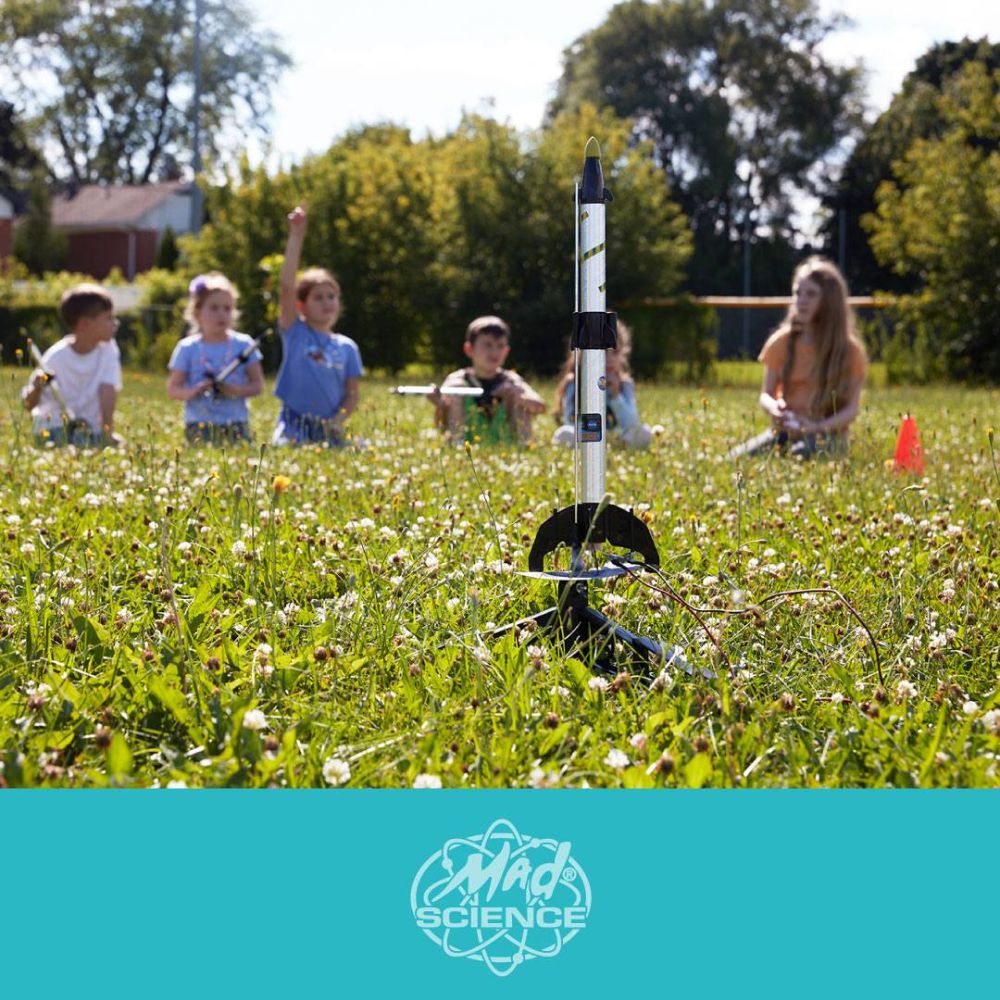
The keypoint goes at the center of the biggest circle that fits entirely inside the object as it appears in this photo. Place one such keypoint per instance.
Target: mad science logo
(501, 898)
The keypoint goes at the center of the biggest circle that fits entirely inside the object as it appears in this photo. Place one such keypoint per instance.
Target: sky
(422, 64)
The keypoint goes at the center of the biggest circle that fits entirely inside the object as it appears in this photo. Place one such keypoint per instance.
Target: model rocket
(591, 520)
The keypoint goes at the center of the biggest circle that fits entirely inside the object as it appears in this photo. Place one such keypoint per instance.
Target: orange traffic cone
(909, 454)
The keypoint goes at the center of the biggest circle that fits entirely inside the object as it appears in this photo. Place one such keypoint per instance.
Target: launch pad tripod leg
(587, 631)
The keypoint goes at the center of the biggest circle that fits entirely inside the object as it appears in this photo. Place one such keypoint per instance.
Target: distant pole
(746, 281)
(196, 206)
(842, 240)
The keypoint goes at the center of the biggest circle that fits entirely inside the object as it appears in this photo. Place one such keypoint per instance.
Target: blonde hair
(200, 289)
(568, 372)
(833, 335)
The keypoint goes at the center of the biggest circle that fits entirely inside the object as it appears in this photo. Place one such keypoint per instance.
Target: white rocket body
(591, 365)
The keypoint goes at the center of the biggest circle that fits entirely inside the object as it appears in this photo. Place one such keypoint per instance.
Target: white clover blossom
(617, 759)
(906, 689)
(336, 771)
(538, 778)
(254, 720)
(598, 684)
(426, 781)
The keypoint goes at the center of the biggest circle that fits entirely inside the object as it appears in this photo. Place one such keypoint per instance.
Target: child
(215, 416)
(623, 412)
(86, 368)
(320, 370)
(814, 367)
(504, 411)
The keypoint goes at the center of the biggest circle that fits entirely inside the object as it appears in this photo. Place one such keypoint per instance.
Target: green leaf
(171, 698)
(698, 770)
(119, 757)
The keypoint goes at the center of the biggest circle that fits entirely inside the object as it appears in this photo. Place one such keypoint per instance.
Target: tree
(168, 252)
(36, 244)
(16, 156)
(914, 113)
(426, 235)
(511, 247)
(938, 223)
(740, 106)
(106, 85)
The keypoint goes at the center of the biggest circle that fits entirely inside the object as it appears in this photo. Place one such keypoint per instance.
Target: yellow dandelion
(280, 483)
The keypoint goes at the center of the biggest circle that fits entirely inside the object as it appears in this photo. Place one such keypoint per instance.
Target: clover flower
(254, 720)
(426, 781)
(336, 771)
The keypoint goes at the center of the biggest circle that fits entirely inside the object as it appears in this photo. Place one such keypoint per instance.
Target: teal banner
(477, 894)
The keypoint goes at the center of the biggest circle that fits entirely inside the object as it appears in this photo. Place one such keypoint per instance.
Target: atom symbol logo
(501, 898)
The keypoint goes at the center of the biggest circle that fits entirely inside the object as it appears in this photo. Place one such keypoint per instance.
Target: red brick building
(120, 226)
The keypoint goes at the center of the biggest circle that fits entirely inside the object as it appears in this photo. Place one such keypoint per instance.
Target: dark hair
(84, 302)
(312, 278)
(493, 326)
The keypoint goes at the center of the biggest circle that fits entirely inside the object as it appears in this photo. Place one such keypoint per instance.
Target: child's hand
(790, 420)
(613, 381)
(508, 390)
(200, 388)
(229, 390)
(39, 380)
(297, 219)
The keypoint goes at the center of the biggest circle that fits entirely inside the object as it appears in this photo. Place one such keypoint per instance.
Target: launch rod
(241, 359)
(444, 390)
(50, 379)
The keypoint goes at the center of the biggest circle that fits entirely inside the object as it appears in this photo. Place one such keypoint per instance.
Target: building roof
(111, 205)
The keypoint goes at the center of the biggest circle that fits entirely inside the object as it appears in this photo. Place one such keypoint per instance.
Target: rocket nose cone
(593, 149)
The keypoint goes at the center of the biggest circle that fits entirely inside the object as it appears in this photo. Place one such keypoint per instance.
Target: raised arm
(288, 307)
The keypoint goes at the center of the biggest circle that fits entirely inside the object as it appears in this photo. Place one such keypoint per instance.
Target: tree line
(721, 116)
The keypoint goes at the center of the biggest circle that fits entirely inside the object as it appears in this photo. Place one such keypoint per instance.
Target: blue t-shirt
(199, 360)
(314, 370)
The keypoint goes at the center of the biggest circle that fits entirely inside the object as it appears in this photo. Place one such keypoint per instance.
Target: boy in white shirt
(86, 367)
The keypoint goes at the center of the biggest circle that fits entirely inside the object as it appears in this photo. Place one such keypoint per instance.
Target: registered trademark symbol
(569, 875)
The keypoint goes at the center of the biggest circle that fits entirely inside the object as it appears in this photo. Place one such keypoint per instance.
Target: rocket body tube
(595, 329)
(591, 394)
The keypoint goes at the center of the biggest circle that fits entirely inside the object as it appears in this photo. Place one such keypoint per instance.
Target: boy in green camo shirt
(503, 413)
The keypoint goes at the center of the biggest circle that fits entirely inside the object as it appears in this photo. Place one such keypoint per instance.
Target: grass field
(172, 616)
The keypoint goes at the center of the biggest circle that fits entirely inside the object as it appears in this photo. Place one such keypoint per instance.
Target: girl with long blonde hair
(814, 366)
